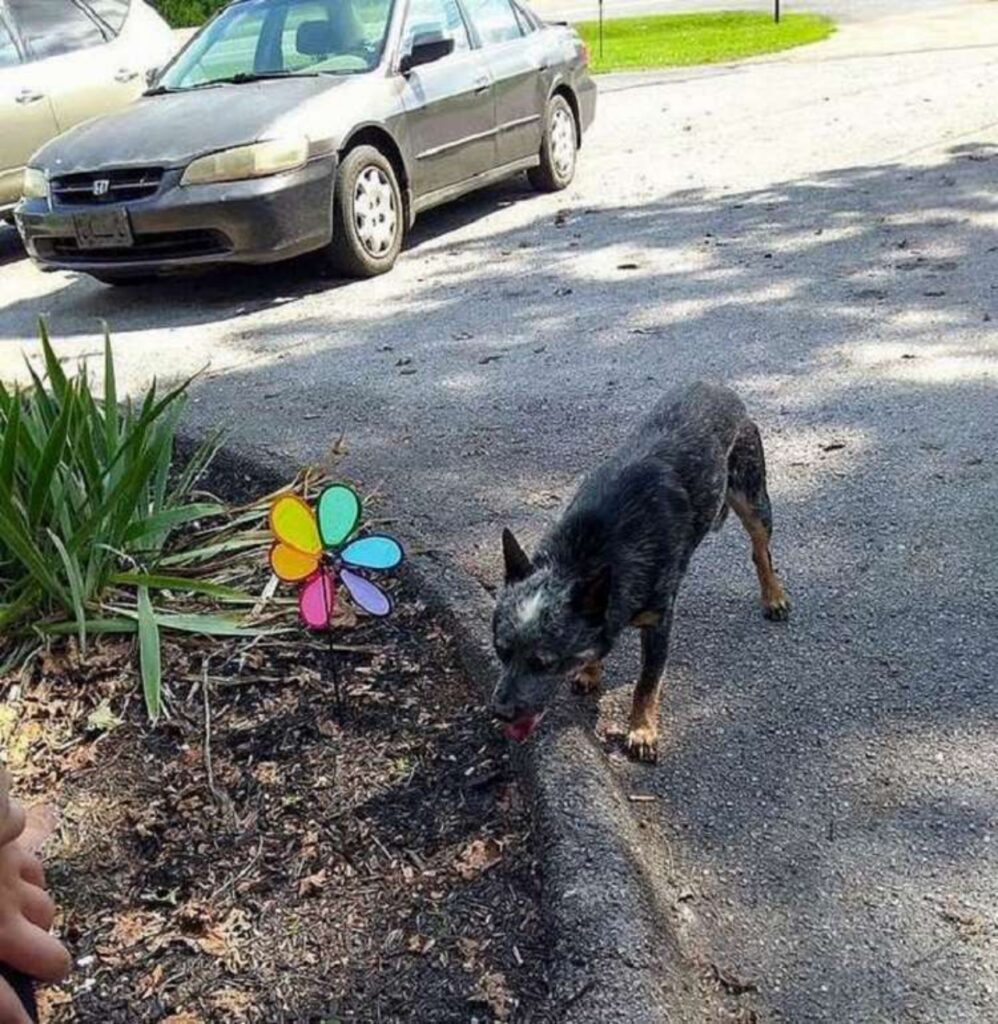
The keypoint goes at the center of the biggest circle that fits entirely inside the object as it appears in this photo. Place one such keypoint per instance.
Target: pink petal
(317, 600)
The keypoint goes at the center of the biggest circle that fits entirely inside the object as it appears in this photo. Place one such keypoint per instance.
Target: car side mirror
(151, 75)
(426, 48)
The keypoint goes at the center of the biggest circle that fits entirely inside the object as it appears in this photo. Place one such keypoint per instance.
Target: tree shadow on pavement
(827, 786)
(11, 249)
(224, 293)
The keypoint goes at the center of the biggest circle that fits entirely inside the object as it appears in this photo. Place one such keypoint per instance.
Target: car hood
(172, 129)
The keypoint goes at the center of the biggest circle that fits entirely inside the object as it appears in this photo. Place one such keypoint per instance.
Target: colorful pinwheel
(313, 547)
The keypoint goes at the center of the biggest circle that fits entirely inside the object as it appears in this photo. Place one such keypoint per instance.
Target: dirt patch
(258, 857)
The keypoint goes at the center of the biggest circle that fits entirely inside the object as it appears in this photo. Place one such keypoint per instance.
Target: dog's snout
(504, 710)
(504, 705)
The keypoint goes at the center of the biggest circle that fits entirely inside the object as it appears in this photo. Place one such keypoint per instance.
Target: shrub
(89, 497)
(188, 13)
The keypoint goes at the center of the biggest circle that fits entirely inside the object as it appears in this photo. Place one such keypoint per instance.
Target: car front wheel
(368, 216)
(559, 148)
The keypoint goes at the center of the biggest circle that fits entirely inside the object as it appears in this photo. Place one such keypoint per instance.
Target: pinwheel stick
(334, 669)
(335, 673)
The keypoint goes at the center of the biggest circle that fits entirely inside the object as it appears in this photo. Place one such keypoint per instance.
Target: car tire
(368, 215)
(559, 147)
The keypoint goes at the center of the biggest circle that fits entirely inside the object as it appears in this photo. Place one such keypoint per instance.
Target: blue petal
(377, 551)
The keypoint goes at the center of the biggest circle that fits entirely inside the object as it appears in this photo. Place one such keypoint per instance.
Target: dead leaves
(312, 884)
(478, 856)
(420, 944)
(193, 925)
(493, 991)
(102, 718)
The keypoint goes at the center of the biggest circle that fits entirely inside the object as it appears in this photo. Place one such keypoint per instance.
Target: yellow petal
(293, 522)
(291, 564)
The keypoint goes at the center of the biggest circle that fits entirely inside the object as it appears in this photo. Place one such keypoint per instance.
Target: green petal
(338, 515)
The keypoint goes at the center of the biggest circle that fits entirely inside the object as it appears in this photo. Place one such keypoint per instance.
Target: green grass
(676, 40)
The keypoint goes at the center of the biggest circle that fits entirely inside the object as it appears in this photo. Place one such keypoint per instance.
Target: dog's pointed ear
(518, 566)
(593, 595)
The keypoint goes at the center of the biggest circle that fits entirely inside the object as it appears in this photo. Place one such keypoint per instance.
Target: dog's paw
(777, 608)
(588, 679)
(642, 743)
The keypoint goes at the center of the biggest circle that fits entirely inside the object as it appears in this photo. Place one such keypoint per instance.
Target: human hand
(26, 910)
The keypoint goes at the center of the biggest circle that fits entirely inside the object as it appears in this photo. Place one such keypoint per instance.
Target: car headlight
(253, 161)
(36, 184)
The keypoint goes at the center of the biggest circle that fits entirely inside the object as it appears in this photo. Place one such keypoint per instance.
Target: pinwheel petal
(317, 600)
(376, 551)
(293, 522)
(339, 513)
(290, 564)
(371, 598)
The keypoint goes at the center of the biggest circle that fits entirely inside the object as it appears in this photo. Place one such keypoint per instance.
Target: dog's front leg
(589, 678)
(642, 737)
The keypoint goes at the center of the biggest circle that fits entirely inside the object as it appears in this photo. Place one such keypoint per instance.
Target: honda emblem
(101, 185)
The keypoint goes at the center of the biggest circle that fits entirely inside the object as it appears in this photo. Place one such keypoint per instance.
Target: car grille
(115, 186)
(169, 245)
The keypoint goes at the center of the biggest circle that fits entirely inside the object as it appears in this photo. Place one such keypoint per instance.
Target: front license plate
(109, 229)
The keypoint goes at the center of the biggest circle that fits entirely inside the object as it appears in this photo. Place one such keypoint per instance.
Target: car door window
(333, 35)
(495, 20)
(8, 50)
(526, 22)
(112, 12)
(430, 17)
(53, 27)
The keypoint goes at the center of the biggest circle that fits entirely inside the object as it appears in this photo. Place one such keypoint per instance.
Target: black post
(600, 29)
(335, 672)
(776, 11)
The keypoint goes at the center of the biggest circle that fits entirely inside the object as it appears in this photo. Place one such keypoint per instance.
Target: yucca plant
(88, 498)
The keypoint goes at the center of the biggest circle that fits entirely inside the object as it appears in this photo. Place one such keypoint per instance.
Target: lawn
(673, 40)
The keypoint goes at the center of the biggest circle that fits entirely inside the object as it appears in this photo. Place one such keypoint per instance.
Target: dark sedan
(287, 126)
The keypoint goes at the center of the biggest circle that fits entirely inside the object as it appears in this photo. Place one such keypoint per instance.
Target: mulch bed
(258, 857)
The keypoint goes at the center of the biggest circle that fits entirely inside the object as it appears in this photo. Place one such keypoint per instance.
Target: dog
(618, 555)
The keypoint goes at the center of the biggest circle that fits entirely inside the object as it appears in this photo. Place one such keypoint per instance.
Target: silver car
(287, 126)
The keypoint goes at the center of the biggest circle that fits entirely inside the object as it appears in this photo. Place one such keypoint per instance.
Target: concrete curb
(624, 947)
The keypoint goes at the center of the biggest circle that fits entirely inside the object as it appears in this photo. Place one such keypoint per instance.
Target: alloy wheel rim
(562, 142)
(374, 213)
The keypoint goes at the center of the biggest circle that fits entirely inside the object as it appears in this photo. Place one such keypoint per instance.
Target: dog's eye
(536, 664)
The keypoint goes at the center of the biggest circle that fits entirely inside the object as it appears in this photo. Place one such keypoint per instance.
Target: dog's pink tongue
(521, 728)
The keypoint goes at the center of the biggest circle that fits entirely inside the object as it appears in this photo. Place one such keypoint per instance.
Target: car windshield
(254, 39)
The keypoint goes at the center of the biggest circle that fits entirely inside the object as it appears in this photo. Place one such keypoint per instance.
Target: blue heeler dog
(617, 556)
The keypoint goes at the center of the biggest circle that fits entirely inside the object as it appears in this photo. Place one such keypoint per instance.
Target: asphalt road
(820, 231)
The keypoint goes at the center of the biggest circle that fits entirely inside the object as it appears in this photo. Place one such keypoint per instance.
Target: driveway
(821, 231)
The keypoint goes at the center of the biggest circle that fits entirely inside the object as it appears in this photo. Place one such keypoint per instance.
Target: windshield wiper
(240, 78)
(257, 76)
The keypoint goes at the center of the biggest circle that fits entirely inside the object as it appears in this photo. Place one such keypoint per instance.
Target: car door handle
(125, 75)
(482, 84)
(29, 96)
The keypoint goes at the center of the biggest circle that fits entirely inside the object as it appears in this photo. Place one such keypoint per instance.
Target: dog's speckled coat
(619, 553)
